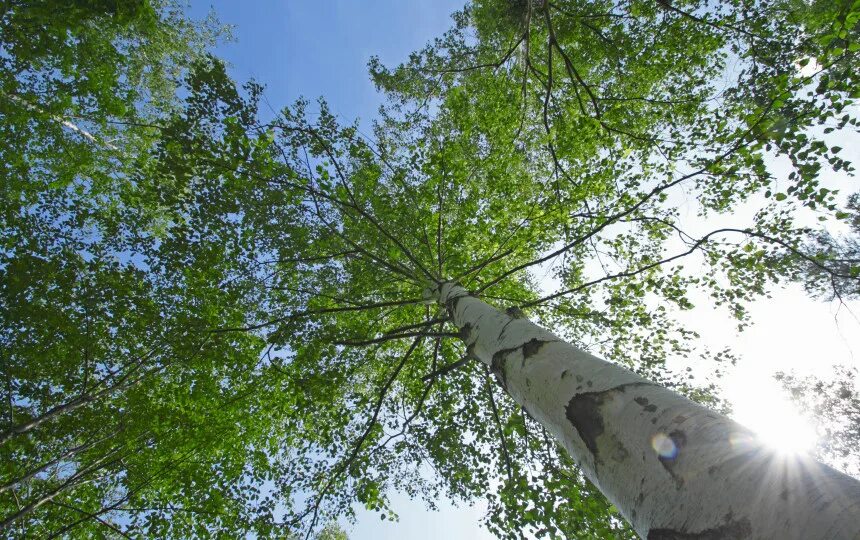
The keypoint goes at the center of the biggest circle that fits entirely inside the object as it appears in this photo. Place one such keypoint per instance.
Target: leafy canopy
(212, 323)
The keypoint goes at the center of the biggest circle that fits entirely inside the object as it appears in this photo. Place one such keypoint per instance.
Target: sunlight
(760, 404)
(807, 66)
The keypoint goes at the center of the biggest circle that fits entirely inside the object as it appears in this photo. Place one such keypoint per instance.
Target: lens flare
(741, 440)
(664, 446)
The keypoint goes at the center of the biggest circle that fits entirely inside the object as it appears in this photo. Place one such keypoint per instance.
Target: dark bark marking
(583, 412)
(505, 327)
(565, 374)
(731, 530)
(497, 366)
(637, 504)
(515, 313)
(532, 347)
(451, 303)
(478, 319)
(465, 332)
(679, 439)
(643, 402)
(529, 349)
(619, 451)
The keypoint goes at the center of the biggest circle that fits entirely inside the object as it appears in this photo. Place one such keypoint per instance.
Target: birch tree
(698, 474)
(272, 321)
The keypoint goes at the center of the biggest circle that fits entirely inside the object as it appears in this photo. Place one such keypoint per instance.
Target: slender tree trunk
(674, 469)
(124, 381)
(64, 456)
(73, 480)
(65, 122)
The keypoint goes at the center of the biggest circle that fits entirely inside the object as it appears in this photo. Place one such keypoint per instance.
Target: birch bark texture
(673, 468)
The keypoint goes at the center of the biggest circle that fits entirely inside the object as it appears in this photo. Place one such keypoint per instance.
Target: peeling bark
(673, 468)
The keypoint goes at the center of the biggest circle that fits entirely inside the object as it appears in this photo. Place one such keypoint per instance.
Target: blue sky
(305, 48)
(311, 49)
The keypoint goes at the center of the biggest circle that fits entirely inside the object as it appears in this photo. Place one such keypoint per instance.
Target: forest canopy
(212, 319)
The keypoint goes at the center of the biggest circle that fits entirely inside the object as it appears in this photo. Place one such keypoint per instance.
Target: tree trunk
(674, 469)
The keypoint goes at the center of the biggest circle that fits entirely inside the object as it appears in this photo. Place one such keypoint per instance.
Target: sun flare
(762, 406)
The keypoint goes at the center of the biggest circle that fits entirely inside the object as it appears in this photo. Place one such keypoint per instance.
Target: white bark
(674, 469)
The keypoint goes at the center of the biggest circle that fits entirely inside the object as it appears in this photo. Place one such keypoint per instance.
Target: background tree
(332, 531)
(826, 250)
(834, 406)
(220, 327)
(116, 406)
(831, 402)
